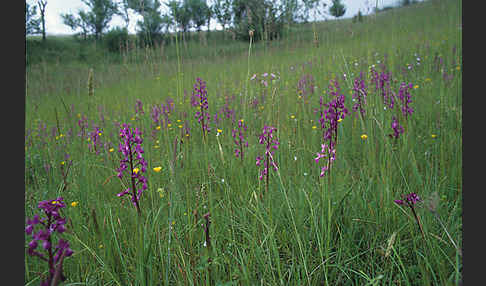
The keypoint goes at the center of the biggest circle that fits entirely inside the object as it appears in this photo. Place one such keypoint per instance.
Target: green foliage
(263, 17)
(116, 39)
(95, 20)
(151, 28)
(32, 23)
(337, 9)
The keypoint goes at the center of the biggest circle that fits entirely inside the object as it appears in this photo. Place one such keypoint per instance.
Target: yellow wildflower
(364, 136)
(157, 169)
(111, 150)
(433, 135)
(136, 170)
(74, 204)
(158, 127)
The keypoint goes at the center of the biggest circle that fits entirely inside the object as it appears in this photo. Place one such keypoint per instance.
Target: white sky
(55, 8)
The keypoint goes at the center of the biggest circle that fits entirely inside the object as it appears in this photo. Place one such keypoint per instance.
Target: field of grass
(205, 217)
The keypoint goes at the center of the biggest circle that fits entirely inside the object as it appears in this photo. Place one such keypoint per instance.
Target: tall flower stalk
(199, 99)
(359, 95)
(271, 143)
(239, 139)
(332, 114)
(131, 149)
(410, 200)
(49, 224)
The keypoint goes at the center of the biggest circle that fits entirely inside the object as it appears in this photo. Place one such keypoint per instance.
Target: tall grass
(343, 229)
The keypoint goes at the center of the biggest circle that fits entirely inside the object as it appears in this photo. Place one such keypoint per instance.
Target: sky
(55, 26)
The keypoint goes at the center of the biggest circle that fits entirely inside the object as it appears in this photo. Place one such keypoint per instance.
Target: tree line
(265, 18)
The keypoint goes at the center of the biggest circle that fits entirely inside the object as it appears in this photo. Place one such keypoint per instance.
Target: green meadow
(297, 227)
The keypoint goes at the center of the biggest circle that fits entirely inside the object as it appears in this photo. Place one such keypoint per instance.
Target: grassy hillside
(209, 217)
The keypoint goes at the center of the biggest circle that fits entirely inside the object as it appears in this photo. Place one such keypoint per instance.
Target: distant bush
(116, 39)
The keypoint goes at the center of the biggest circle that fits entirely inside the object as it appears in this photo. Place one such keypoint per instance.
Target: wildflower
(157, 169)
(416, 86)
(239, 139)
(359, 94)
(157, 128)
(93, 139)
(433, 136)
(199, 99)
(405, 98)
(314, 127)
(331, 115)
(267, 139)
(138, 107)
(410, 200)
(219, 130)
(111, 150)
(74, 204)
(50, 224)
(292, 116)
(364, 136)
(306, 85)
(397, 128)
(131, 149)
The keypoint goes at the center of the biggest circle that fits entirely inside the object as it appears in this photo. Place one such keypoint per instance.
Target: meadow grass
(340, 229)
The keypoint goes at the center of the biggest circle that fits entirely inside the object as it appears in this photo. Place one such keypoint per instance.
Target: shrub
(116, 39)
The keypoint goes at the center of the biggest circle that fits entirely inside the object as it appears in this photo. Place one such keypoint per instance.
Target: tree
(153, 23)
(42, 8)
(198, 11)
(307, 7)
(31, 21)
(180, 14)
(337, 9)
(123, 9)
(95, 20)
(261, 16)
(221, 9)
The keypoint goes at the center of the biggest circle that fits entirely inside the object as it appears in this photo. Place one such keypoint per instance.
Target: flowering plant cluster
(94, 143)
(332, 114)
(239, 139)
(409, 199)
(200, 99)
(138, 107)
(50, 224)
(382, 83)
(131, 149)
(405, 98)
(359, 94)
(397, 128)
(306, 85)
(271, 143)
